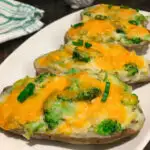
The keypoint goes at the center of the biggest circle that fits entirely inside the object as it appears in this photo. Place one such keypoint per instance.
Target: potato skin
(82, 140)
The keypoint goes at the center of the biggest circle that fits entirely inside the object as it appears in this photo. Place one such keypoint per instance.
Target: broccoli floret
(131, 68)
(78, 43)
(87, 13)
(54, 113)
(101, 17)
(147, 37)
(43, 76)
(80, 56)
(74, 85)
(138, 20)
(89, 94)
(132, 101)
(53, 116)
(108, 127)
(31, 128)
(133, 22)
(136, 40)
(72, 71)
(63, 99)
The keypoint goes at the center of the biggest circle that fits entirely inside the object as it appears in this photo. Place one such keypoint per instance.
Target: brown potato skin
(82, 140)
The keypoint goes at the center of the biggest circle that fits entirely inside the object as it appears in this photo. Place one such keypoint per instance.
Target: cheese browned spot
(13, 113)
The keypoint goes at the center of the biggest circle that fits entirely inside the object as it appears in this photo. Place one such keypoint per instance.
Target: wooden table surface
(55, 9)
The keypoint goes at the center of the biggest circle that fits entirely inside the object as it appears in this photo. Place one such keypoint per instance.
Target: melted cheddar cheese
(52, 57)
(91, 113)
(85, 113)
(136, 31)
(104, 56)
(91, 29)
(119, 18)
(13, 114)
(116, 56)
(115, 12)
(112, 56)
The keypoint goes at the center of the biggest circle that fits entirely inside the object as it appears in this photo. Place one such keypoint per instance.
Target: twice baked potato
(80, 108)
(124, 33)
(84, 55)
(114, 14)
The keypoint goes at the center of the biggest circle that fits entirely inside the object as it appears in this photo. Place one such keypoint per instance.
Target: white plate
(20, 64)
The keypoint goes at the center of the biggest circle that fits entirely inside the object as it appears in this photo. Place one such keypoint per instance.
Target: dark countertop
(55, 9)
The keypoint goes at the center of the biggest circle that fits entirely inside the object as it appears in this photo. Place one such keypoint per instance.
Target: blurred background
(55, 9)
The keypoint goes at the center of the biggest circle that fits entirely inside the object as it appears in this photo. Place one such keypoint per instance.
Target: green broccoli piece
(63, 99)
(80, 56)
(87, 13)
(43, 76)
(131, 68)
(31, 128)
(133, 22)
(108, 127)
(101, 17)
(133, 101)
(134, 40)
(138, 20)
(74, 85)
(54, 113)
(78, 43)
(53, 116)
(72, 71)
(89, 94)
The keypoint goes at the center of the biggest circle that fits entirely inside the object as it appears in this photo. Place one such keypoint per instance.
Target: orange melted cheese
(92, 28)
(115, 12)
(112, 56)
(116, 56)
(136, 31)
(126, 13)
(13, 113)
(92, 113)
(99, 9)
(51, 58)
